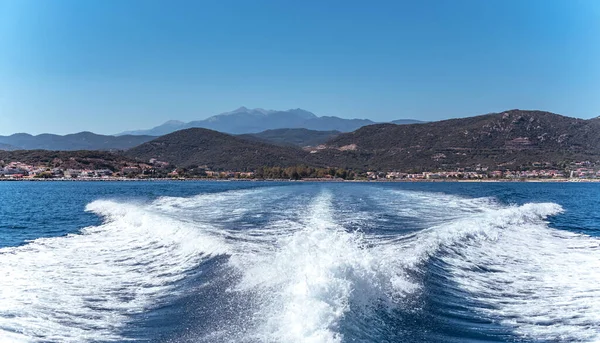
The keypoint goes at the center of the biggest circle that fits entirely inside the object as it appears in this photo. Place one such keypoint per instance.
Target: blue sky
(111, 65)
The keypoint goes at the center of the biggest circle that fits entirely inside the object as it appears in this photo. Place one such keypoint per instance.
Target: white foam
(541, 282)
(431, 208)
(211, 207)
(545, 283)
(311, 272)
(84, 287)
(307, 285)
(304, 271)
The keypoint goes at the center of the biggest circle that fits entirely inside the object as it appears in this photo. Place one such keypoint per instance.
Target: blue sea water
(299, 262)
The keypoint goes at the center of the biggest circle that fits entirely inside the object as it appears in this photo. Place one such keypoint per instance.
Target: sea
(178, 262)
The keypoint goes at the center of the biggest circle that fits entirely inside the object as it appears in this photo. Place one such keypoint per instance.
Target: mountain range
(92, 141)
(245, 120)
(510, 139)
(506, 140)
(81, 159)
(292, 137)
(291, 127)
(76, 141)
(513, 139)
(8, 147)
(217, 150)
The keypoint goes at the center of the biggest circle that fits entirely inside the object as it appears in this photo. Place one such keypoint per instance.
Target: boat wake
(310, 266)
(84, 287)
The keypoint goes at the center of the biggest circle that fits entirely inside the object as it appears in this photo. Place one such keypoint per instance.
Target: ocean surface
(286, 262)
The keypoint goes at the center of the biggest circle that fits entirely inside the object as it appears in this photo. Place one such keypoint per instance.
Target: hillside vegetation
(216, 150)
(509, 139)
(76, 141)
(68, 159)
(293, 137)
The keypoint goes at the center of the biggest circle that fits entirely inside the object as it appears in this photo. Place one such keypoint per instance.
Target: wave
(542, 283)
(84, 287)
(306, 265)
(502, 257)
(539, 282)
(309, 282)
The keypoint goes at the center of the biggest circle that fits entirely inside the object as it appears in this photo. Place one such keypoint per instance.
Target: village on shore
(583, 170)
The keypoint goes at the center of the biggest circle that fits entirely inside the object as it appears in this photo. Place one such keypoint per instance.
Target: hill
(509, 139)
(68, 159)
(76, 141)
(217, 151)
(293, 137)
(166, 128)
(512, 139)
(244, 120)
(407, 121)
(8, 147)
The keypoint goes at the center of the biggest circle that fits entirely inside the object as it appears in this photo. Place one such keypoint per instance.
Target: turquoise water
(299, 262)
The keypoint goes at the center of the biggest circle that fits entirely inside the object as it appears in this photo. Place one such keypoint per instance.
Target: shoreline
(561, 180)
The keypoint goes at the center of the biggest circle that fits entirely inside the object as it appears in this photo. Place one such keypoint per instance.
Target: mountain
(337, 124)
(511, 139)
(76, 141)
(407, 121)
(68, 159)
(168, 127)
(293, 137)
(8, 147)
(245, 120)
(216, 150)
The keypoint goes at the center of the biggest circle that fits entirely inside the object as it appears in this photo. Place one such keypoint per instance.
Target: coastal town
(153, 169)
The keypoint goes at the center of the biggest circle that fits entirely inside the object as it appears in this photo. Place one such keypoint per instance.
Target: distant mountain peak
(21, 134)
(253, 120)
(302, 113)
(244, 110)
(238, 110)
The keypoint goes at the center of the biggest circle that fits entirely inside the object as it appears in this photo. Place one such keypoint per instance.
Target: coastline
(561, 180)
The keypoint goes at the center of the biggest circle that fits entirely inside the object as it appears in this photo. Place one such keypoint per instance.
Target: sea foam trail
(313, 273)
(225, 206)
(545, 283)
(305, 272)
(540, 282)
(314, 278)
(84, 287)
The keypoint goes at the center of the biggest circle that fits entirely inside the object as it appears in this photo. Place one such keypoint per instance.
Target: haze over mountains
(245, 120)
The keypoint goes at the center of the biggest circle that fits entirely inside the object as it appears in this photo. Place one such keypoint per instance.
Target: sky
(112, 65)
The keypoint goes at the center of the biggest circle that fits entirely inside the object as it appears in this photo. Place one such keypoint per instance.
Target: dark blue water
(299, 262)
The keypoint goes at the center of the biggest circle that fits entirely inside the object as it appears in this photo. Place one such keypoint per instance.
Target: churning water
(299, 262)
